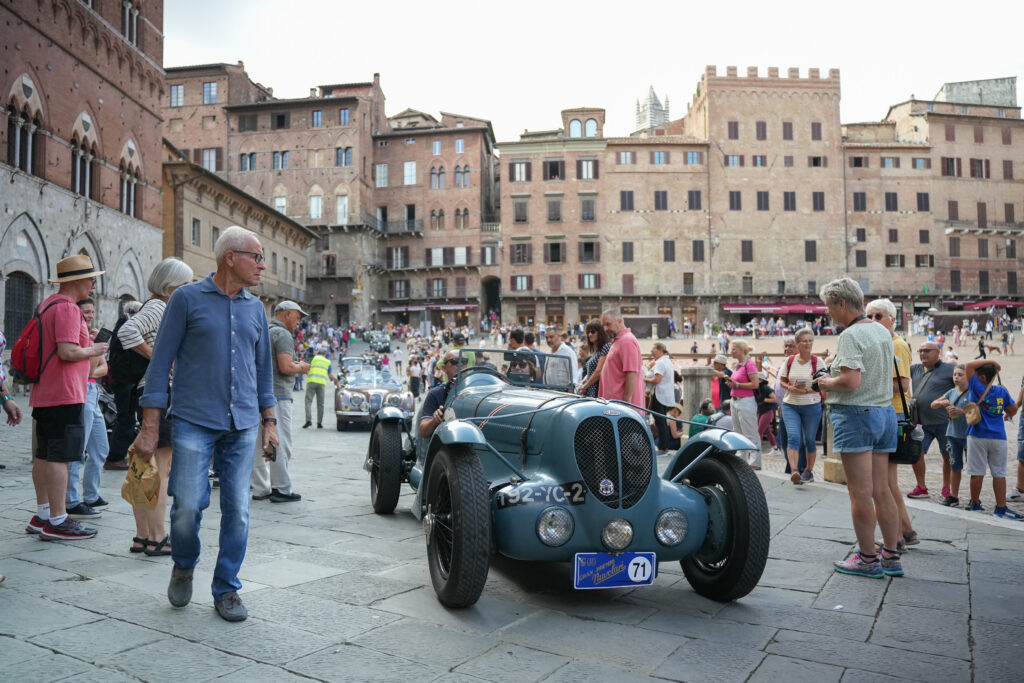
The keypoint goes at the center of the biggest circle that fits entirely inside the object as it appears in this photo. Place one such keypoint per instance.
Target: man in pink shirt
(58, 399)
(620, 378)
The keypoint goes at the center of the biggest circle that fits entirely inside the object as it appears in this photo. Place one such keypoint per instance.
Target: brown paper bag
(141, 486)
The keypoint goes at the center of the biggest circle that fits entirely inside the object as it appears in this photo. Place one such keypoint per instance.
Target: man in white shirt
(560, 373)
(662, 381)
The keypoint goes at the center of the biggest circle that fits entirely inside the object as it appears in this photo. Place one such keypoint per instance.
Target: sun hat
(77, 267)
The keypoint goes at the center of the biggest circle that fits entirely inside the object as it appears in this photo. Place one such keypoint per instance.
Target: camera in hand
(820, 372)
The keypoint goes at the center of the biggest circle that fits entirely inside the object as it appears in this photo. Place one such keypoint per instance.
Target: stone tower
(651, 112)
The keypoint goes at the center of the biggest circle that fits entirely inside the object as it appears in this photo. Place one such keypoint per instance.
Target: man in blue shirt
(215, 334)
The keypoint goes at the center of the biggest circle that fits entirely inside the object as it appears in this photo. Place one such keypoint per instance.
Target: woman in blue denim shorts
(954, 401)
(859, 395)
(1017, 493)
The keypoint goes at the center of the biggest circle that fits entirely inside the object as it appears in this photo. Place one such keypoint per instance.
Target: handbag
(908, 449)
(972, 411)
(141, 486)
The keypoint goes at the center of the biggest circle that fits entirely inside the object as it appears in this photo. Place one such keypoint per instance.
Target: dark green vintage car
(523, 467)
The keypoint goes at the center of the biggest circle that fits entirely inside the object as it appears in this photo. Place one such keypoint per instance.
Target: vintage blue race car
(524, 467)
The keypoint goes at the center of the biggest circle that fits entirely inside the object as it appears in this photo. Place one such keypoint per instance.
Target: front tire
(385, 467)
(733, 557)
(458, 526)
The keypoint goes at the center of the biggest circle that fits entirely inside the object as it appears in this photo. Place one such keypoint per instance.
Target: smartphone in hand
(103, 336)
(270, 453)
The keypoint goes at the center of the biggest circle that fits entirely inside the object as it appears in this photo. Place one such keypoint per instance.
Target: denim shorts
(856, 429)
(1020, 451)
(956, 446)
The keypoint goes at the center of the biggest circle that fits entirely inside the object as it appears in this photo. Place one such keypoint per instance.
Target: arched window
(440, 178)
(433, 179)
(433, 220)
(458, 219)
(458, 176)
(22, 140)
(591, 130)
(83, 160)
(129, 190)
(440, 219)
(575, 129)
(465, 175)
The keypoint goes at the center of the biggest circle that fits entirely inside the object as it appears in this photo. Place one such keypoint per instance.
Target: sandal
(141, 541)
(159, 548)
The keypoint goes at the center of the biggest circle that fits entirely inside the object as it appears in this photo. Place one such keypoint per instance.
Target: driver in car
(433, 405)
(522, 369)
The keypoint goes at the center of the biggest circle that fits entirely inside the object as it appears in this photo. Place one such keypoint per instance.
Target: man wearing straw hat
(58, 400)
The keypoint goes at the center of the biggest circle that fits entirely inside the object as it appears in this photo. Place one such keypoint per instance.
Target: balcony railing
(420, 264)
(490, 227)
(406, 226)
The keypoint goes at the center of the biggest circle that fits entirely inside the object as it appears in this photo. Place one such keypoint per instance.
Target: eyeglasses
(454, 361)
(257, 258)
(591, 331)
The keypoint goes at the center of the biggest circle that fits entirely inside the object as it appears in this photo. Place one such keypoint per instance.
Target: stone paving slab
(923, 630)
(702, 661)
(513, 664)
(348, 662)
(486, 616)
(997, 649)
(1002, 603)
(315, 614)
(284, 573)
(272, 643)
(776, 668)
(716, 630)
(595, 672)
(25, 615)
(913, 592)
(49, 667)
(439, 648)
(355, 588)
(98, 640)
(184, 660)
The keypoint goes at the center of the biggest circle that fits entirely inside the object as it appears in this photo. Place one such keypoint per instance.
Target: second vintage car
(365, 389)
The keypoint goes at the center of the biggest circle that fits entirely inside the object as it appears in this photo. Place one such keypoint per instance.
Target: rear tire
(458, 526)
(732, 568)
(385, 467)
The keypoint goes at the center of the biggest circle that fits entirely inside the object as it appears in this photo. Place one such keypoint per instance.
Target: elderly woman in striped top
(138, 334)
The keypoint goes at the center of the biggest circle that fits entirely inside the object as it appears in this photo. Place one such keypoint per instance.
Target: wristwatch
(270, 420)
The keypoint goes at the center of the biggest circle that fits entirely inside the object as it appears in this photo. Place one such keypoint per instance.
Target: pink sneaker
(918, 492)
(946, 493)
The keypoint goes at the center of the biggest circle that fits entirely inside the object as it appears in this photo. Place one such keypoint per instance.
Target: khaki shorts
(982, 453)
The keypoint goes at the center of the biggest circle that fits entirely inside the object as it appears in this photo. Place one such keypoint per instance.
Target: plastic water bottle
(918, 433)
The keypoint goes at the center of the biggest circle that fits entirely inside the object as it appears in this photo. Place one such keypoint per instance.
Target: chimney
(312, 92)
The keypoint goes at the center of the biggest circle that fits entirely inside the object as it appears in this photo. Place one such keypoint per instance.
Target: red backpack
(27, 362)
(814, 369)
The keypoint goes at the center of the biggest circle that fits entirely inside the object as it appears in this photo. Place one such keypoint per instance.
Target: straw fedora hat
(77, 267)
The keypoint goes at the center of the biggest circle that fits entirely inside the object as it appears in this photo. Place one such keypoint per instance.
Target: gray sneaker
(179, 590)
(807, 477)
(230, 608)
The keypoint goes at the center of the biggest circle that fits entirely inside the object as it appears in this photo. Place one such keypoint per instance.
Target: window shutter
(597, 281)
(580, 244)
(529, 282)
(426, 257)
(579, 281)
(824, 162)
(529, 171)
(897, 162)
(547, 252)
(512, 282)
(405, 255)
(529, 253)
(595, 168)
(391, 287)
(959, 168)
(627, 283)
(561, 170)
(741, 159)
(197, 156)
(988, 168)
(579, 169)
(652, 156)
(618, 157)
(597, 251)
(511, 172)
(469, 256)
(903, 260)
(668, 156)
(700, 157)
(390, 259)
(220, 158)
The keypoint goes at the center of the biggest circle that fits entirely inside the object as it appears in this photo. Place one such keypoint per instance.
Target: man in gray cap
(270, 471)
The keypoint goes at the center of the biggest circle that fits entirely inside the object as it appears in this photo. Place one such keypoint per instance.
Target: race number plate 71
(614, 570)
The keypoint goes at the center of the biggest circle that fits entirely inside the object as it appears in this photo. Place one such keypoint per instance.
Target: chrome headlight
(555, 526)
(394, 399)
(357, 400)
(671, 527)
(617, 534)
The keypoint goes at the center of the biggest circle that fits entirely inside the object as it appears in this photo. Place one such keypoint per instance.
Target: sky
(519, 64)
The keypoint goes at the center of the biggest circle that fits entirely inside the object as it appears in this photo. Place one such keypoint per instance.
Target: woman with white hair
(743, 382)
(138, 335)
(859, 394)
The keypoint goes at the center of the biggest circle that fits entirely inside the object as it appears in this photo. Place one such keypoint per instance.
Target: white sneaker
(1014, 494)
(775, 451)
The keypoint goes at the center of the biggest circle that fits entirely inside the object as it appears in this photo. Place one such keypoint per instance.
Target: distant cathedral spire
(651, 112)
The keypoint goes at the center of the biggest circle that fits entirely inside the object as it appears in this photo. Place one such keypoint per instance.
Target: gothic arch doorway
(492, 296)
(19, 303)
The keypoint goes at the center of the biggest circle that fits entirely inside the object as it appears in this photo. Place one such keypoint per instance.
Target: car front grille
(598, 453)
(376, 400)
(637, 461)
(597, 457)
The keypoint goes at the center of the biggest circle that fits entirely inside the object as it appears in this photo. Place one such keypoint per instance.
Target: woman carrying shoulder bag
(743, 382)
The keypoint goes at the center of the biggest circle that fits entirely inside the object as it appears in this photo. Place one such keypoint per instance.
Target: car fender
(446, 434)
(721, 439)
(385, 414)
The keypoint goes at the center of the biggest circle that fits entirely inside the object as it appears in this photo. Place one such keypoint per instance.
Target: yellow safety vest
(318, 370)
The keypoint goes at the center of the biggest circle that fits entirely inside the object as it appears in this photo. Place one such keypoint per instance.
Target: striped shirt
(143, 326)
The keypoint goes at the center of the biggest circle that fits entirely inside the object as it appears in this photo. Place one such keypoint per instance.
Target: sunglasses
(454, 361)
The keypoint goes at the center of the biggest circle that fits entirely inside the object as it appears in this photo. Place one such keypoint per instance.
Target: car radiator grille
(375, 401)
(598, 459)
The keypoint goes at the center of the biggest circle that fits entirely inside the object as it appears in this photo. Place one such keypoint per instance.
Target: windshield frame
(499, 371)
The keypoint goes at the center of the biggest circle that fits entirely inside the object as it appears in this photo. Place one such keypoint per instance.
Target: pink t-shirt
(744, 373)
(624, 357)
(61, 383)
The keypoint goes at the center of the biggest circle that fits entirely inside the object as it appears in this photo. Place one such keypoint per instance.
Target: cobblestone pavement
(338, 593)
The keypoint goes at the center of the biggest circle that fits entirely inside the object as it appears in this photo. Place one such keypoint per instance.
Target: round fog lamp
(671, 527)
(555, 526)
(617, 534)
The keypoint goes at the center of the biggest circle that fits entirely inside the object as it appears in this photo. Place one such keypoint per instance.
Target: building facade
(83, 86)
(199, 204)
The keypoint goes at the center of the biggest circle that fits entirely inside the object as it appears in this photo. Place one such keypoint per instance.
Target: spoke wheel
(385, 467)
(457, 523)
(730, 562)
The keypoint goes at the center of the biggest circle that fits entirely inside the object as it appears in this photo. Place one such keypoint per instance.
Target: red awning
(805, 308)
(752, 308)
(993, 303)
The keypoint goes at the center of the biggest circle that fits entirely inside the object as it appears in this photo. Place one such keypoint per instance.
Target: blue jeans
(802, 425)
(783, 439)
(96, 450)
(189, 485)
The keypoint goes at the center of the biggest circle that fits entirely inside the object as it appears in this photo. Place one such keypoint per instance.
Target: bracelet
(5, 399)
(270, 420)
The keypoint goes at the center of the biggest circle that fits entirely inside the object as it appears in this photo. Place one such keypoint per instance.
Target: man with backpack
(54, 350)
(126, 370)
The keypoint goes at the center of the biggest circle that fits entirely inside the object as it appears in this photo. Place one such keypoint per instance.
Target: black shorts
(163, 439)
(60, 433)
